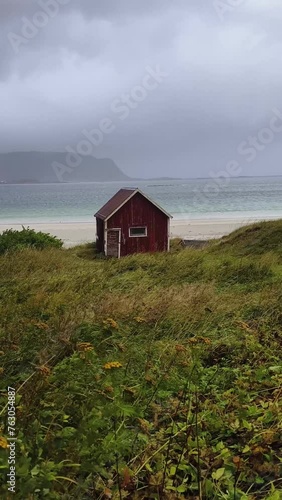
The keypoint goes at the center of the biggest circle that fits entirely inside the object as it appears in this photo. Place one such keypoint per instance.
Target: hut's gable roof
(119, 199)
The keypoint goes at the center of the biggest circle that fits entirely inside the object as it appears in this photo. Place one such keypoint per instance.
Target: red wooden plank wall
(139, 211)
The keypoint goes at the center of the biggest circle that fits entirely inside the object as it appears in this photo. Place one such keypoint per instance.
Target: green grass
(257, 239)
(192, 409)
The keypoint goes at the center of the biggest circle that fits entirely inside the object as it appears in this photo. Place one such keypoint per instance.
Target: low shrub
(12, 240)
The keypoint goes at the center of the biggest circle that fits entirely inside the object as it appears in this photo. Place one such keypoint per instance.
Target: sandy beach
(195, 229)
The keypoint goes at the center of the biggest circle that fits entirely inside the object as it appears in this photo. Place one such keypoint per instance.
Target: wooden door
(113, 243)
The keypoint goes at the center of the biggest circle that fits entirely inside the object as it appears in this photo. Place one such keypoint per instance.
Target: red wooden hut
(132, 223)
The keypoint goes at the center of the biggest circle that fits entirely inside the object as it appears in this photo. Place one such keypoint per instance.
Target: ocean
(239, 198)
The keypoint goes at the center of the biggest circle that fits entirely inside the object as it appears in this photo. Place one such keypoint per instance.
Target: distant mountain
(40, 167)
(166, 179)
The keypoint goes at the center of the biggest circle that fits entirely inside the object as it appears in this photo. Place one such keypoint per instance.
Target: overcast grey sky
(223, 77)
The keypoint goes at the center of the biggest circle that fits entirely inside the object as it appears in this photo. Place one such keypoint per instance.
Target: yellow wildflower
(1, 371)
(108, 493)
(193, 340)
(207, 341)
(3, 442)
(138, 319)
(258, 450)
(84, 346)
(236, 460)
(109, 388)
(112, 364)
(180, 348)
(110, 323)
(44, 370)
(41, 326)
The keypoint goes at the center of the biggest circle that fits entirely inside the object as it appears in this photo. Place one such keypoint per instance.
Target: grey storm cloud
(69, 67)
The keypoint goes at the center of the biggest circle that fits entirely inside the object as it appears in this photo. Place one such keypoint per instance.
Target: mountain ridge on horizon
(51, 167)
(38, 168)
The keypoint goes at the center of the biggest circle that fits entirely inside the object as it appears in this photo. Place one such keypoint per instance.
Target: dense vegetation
(151, 377)
(12, 240)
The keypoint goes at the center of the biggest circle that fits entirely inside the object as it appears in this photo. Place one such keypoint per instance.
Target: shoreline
(78, 233)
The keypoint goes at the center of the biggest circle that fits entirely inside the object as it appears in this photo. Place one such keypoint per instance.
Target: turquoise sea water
(196, 199)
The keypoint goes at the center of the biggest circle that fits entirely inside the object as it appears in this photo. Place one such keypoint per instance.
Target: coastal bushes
(11, 240)
(153, 377)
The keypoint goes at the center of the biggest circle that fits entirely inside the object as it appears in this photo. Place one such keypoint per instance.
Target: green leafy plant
(12, 240)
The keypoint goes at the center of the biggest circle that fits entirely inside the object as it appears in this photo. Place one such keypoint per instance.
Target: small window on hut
(136, 232)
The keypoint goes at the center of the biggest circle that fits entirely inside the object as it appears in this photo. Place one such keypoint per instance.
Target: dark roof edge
(133, 193)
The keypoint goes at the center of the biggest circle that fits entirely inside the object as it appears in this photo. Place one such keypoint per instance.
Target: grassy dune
(152, 377)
